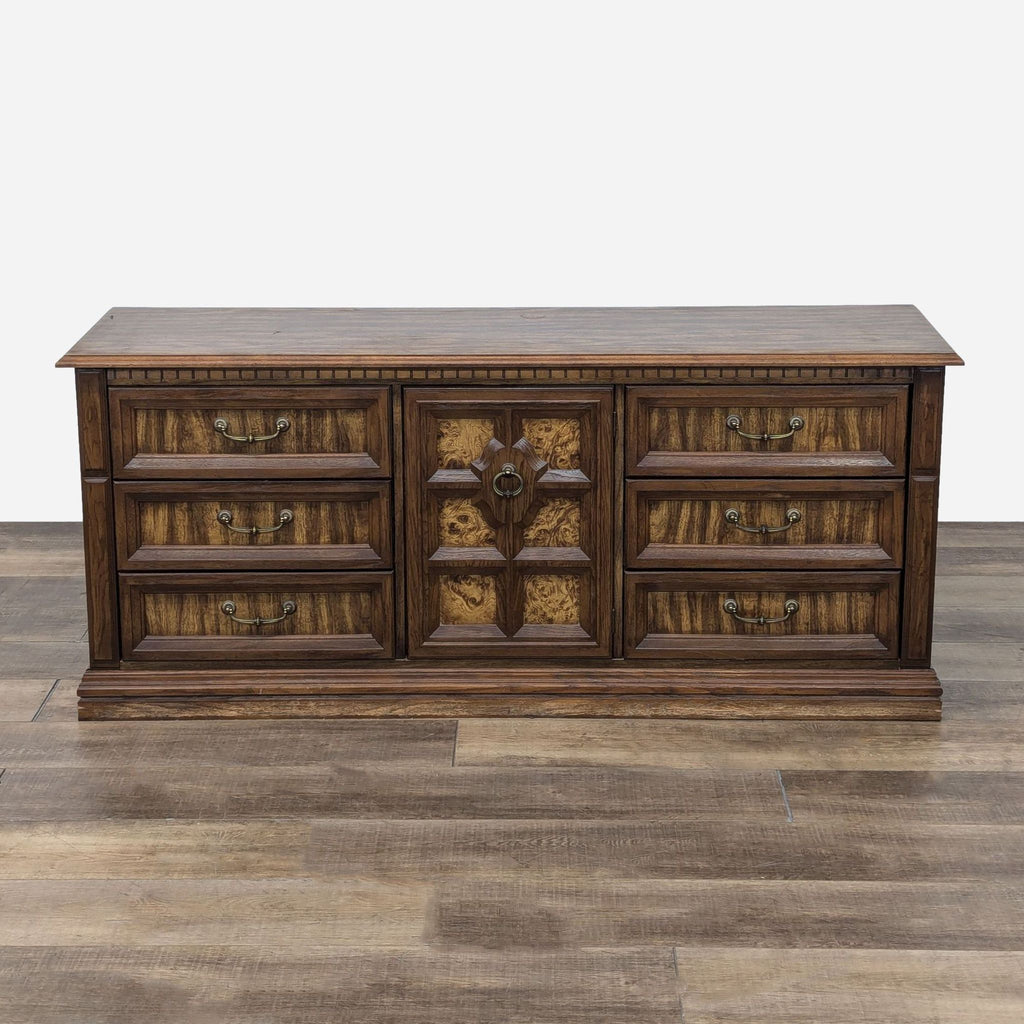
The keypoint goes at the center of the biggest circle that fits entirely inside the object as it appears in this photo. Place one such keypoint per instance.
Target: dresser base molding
(595, 692)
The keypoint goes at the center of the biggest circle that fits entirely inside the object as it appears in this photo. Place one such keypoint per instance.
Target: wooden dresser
(723, 512)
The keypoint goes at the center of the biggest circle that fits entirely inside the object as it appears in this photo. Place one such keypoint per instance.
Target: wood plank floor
(512, 870)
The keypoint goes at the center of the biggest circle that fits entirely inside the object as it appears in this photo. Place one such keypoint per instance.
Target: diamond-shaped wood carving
(508, 482)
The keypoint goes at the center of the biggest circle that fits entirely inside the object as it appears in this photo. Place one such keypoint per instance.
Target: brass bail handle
(790, 608)
(734, 422)
(229, 608)
(732, 517)
(225, 517)
(506, 473)
(221, 426)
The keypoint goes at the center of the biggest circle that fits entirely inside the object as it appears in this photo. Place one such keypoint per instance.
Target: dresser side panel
(922, 516)
(98, 518)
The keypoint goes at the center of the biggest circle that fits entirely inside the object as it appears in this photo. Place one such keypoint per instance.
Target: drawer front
(204, 525)
(764, 524)
(250, 432)
(813, 431)
(193, 617)
(828, 616)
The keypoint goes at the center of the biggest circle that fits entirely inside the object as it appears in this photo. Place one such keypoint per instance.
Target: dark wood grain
(175, 525)
(709, 336)
(181, 616)
(922, 517)
(642, 690)
(98, 516)
(845, 616)
(843, 524)
(883, 704)
(334, 432)
(682, 431)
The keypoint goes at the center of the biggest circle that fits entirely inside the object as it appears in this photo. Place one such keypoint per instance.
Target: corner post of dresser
(922, 516)
(398, 527)
(98, 518)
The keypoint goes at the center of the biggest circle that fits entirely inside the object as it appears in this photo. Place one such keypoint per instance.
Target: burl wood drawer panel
(257, 525)
(756, 616)
(756, 431)
(252, 431)
(764, 524)
(196, 616)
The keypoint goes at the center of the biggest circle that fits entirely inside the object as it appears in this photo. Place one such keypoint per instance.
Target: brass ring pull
(225, 518)
(791, 608)
(732, 517)
(221, 426)
(508, 472)
(229, 609)
(796, 423)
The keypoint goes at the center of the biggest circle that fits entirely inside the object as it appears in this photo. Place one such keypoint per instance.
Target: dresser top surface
(472, 337)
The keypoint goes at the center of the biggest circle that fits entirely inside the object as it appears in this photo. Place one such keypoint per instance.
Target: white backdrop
(535, 153)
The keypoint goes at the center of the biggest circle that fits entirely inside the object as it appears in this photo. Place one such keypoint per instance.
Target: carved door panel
(508, 521)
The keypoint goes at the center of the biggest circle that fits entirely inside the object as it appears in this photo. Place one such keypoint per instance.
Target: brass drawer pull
(225, 518)
(508, 472)
(733, 423)
(732, 517)
(229, 609)
(221, 426)
(791, 608)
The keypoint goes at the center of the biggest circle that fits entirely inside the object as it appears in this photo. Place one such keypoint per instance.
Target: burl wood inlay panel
(170, 432)
(462, 525)
(181, 616)
(176, 525)
(839, 615)
(460, 441)
(468, 600)
(557, 524)
(551, 600)
(841, 524)
(684, 431)
(555, 440)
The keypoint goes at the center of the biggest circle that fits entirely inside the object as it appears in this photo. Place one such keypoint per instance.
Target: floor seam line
(49, 694)
(679, 985)
(785, 797)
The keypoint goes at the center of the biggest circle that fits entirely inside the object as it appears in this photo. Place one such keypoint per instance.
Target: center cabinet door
(509, 521)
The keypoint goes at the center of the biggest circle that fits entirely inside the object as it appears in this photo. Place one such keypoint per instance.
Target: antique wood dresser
(721, 512)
